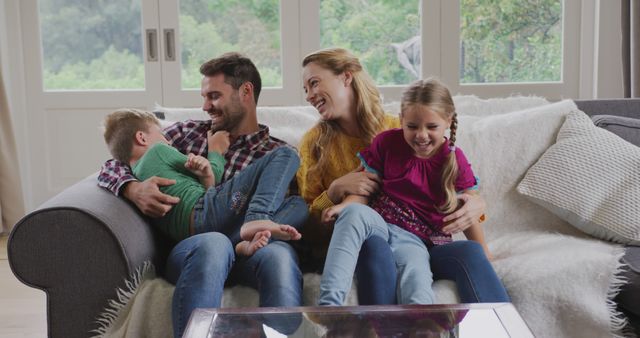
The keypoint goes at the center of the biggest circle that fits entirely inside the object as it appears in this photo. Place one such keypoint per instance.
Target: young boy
(245, 203)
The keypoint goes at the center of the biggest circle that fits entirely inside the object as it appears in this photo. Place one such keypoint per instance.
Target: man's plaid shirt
(191, 137)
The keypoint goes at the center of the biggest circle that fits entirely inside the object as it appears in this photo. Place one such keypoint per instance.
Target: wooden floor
(22, 309)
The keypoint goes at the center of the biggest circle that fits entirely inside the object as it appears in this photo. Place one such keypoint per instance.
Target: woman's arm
(331, 214)
(467, 222)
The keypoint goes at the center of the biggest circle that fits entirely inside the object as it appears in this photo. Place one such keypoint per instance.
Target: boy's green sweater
(165, 161)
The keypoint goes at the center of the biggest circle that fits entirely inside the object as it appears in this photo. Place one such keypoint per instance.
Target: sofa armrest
(79, 247)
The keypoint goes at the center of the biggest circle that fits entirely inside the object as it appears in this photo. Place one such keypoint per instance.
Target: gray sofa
(83, 243)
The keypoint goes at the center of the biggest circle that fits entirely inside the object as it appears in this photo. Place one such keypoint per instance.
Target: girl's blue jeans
(463, 262)
(356, 223)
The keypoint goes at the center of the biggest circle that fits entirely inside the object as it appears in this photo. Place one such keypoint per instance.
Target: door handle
(169, 45)
(152, 44)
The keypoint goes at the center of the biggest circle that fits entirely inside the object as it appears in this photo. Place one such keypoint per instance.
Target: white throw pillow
(591, 178)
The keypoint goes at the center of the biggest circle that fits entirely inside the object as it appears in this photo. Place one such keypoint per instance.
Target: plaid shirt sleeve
(174, 132)
(114, 175)
(189, 136)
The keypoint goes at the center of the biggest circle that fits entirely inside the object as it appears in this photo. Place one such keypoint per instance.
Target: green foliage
(367, 28)
(510, 41)
(210, 28)
(112, 70)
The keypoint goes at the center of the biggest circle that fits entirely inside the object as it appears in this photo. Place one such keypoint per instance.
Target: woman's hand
(330, 214)
(468, 215)
(358, 182)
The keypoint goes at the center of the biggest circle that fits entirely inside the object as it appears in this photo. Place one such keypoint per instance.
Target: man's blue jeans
(200, 265)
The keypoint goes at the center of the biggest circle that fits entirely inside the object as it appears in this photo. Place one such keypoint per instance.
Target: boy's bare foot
(248, 248)
(279, 231)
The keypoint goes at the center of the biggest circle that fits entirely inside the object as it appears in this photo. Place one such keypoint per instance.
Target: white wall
(609, 71)
(13, 77)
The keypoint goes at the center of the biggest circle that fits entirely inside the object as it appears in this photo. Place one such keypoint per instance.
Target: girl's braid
(453, 128)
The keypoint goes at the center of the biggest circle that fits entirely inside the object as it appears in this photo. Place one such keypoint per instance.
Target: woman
(351, 115)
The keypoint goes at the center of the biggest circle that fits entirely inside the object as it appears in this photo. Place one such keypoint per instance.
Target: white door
(82, 60)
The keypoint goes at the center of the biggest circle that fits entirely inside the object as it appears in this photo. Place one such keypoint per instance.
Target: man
(200, 265)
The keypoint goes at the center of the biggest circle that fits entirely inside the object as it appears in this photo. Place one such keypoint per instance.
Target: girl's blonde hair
(435, 96)
(120, 128)
(369, 112)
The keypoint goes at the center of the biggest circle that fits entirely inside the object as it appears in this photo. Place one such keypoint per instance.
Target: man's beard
(229, 118)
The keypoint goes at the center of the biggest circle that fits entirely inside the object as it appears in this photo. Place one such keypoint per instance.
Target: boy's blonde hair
(369, 112)
(120, 128)
(435, 96)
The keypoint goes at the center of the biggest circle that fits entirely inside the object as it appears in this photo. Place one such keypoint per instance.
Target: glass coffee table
(451, 320)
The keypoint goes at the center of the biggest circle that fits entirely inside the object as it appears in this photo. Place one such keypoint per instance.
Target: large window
(482, 47)
(209, 28)
(91, 44)
(510, 41)
(384, 34)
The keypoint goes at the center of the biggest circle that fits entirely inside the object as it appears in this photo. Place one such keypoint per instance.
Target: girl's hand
(360, 182)
(219, 141)
(330, 214)
(198, 165)
(469, 214)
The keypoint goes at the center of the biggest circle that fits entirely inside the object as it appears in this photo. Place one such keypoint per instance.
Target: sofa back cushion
(626, 127)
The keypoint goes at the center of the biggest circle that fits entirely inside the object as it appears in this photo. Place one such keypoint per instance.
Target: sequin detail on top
(399, 214)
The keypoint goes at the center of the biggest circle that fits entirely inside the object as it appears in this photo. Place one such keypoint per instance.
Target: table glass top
(452, 320)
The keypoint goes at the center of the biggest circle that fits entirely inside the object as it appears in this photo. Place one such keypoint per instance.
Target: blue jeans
(355, 224)
(376, 273)
(465, 263)
(255, 193)
(200, 265)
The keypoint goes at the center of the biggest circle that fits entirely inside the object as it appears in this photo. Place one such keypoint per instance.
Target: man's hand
(148, 198)
(361, 183)
(468, 215)
(219, 141)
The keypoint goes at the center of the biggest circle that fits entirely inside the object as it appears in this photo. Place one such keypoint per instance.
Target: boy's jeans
(255, 193)
(355, 224)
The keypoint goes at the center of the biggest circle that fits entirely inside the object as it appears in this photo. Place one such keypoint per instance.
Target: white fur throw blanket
(560, 280)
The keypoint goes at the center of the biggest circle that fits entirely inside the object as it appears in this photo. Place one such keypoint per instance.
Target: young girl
(422, 172)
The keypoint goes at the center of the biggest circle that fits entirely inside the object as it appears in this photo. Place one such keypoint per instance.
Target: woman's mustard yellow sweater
(342, 159)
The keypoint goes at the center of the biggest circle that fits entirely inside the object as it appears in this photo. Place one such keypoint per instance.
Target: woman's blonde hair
(369, 112)
(120, 128)
(435, 96)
